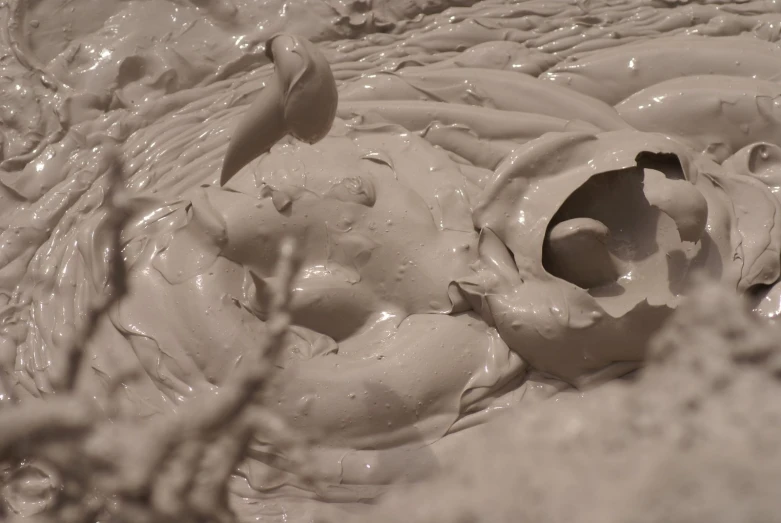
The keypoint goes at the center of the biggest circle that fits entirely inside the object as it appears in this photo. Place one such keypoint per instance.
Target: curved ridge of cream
(433, 293)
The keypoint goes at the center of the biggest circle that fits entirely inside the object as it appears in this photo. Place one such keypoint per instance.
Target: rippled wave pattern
(641, 139)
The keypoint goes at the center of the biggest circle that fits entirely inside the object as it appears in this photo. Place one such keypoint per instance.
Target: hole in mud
(612, 238)
(613, 200)
(667, 163)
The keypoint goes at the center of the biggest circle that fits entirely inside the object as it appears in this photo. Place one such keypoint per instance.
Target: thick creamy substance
(494, 202)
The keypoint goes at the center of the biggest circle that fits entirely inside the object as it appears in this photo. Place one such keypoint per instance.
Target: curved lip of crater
(637, 162)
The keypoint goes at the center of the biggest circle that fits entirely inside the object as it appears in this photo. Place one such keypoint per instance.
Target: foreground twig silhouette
(171, 468)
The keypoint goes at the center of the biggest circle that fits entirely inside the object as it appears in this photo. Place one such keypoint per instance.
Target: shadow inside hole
(666, 163)
(615, 199)
(677, 270)
(611, 290)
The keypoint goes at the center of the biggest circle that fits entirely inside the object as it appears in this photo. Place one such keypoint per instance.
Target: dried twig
(175, 467)
(116, 217)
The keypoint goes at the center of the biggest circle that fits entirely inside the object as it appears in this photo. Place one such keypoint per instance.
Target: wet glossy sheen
(427, 216)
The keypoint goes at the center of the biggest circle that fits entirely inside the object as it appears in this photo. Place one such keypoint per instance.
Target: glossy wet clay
(467, 261)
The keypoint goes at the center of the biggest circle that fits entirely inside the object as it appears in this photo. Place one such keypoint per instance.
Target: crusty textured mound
(695, 438)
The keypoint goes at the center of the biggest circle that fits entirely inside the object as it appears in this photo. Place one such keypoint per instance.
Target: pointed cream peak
(299, 99)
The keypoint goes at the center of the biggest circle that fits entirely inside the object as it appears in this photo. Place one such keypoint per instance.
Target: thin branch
(117, 215)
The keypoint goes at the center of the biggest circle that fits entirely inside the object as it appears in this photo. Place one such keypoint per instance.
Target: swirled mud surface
(496, 208)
